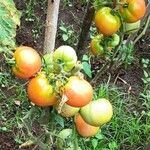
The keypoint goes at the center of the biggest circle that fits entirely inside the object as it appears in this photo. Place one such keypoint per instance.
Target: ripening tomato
(83, 128)
(67, 110)
(97, 112)
(132, 10)
(96, 46)
(40, 92)
(78, 91)
(64, 58)
(27, 62)
(107, 22)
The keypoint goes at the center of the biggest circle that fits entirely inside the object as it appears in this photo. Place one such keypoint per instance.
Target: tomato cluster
(56, 80)
(124, 15)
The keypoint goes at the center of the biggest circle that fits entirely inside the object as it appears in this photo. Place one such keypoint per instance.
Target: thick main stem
(85, 28)
(51, 25)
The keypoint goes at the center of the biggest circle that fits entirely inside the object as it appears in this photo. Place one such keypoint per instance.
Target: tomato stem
(144, 30)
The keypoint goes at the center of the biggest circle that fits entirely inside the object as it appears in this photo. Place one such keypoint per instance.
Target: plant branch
(85, 28)
(144, 30)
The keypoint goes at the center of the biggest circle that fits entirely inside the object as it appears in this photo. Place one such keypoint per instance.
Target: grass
(128, 129)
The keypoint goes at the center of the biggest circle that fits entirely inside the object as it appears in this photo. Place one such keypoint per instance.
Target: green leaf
(94, 143)
(99, 136)
(63, 29)
(9, 19)
(85, 58)
(87, 69)
(113, 145)
(59, 120)
(145, 74)
(65, 37)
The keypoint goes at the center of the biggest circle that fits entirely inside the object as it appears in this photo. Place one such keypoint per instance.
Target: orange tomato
(83, 128)
(40, 92)
(27, 62)
(107, 22)
(78, 91)
(132, 10)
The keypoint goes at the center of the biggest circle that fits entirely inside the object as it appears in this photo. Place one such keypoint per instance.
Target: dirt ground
(24, 37)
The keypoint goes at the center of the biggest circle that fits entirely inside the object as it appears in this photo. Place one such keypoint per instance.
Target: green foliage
(67, 34)
(9, 19)
(86, 65)
(128, 128)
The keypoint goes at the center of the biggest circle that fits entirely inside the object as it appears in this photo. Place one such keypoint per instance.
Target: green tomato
(64, 58)
(115, 39)
(131, 27)
(67, 110)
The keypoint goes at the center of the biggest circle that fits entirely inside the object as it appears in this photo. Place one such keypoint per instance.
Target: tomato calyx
(125, 5)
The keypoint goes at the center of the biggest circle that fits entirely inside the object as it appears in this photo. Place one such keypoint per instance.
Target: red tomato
(83, 128)
(107, 22)
(78, 91)
(132, 10)
(40, 92)
(28, 62)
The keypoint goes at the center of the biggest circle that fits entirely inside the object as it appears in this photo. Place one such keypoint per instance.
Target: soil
(71, 16)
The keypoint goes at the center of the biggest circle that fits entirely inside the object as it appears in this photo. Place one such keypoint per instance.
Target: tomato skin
(83, 128)
(40, 92)
(28, 62)
(67, 110)
(134, 10)
(67, 56)
(97, 112)
(78, 91)
(106, 22)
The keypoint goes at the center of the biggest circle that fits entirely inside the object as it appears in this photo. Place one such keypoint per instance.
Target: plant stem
(144, 30)
(51, 25)
(85, 29)
(75, 138)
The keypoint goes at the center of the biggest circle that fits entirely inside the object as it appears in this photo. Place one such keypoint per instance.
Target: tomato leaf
(94, 143)
(9, 19)
(87, 69)
(59, 120)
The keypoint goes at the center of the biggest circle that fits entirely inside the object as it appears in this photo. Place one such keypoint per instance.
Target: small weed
(67, 34)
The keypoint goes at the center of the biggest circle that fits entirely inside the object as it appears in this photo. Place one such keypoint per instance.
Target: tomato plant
(106, 21)
(83, 128)
(97, 112)
(78, 91)
(27, 62)
(40, 92)
(132, 10)
(64, 58)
